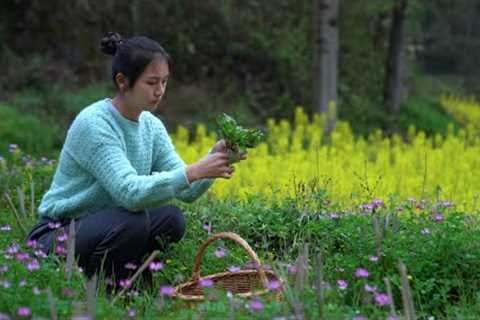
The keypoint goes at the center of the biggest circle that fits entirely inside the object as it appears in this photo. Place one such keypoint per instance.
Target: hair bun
(110, 42)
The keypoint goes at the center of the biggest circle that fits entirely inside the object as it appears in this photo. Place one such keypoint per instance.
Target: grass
(323, 251)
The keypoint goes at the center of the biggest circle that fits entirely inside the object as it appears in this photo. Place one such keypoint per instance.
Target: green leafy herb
(237, 139)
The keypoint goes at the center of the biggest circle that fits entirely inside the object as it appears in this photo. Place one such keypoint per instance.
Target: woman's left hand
(221, 146)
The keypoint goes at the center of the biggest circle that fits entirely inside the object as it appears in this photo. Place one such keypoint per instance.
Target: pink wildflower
(125, 283)
(207, 227)
(132, 313)
(13, 249)
(62, 238)
(274, 285)
(130, 266)
(206, 283)
(54, 225)
(256, 305)
(167, 291)
(33, 265)
(233, 269)
(60, 250)
(32, 243)
(22, 256)
(369, 288)
(220, 252)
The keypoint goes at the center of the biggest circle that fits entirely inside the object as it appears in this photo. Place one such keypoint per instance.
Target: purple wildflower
(342, 284)
(60, 250)
(377, 203)
(361, 273)
(233, 269)
(23, 312)
(22, 283)
(155, 266)
(167, 291)
(392, 317)
(359, 317)
(207, 227)
(40, 254)
(12, 147)
(274, 285)
(36, 291)
(292, 269)
(256, 305)
(130, 266)
(206, 283)
(132, 313)
(367, 208)
(13, 249)
(125, 283)
(32, 243)
(334, 216)
(369, 288)
(33, 265)
(438, 217)
(62, 238)
(3, 268)
(3, 316)
(22, 256)
(220, 252)
(54, 225)
(382, 299)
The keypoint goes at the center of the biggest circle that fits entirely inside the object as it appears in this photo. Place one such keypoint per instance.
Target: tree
(325, 59)
(395, 62)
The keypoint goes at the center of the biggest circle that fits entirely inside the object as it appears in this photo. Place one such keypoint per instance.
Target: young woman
(118, 167)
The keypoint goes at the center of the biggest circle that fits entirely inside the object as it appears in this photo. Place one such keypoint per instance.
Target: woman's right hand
(215, 165)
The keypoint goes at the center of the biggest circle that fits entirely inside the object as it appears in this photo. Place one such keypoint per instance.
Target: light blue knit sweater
(109, 161)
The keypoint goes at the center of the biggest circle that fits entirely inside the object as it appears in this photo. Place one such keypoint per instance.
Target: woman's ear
(122, 82)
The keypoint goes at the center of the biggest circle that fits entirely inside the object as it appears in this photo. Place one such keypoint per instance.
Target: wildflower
(206, 283)
(438, 217)
(3, 316)
(22, 256)
(125, 283)
(12, 147)
(130, 266)
(220, 252)
(233, 269)
(32, 243)
(367, 208)
(207, 227)
(361, 273)
(22, 283)
(373, 258)
(132, 313)
(5, 284)
(256, 305)
(292, 269)
(167, 291)
(155, 266)
(377, 203)
(6, 228)
(382, 299)
(62, 238)
(13, 249)
(334, 216)
(342, 284)
(23, 312)
(36, 291)
(425, 231)
(60, 250)
(40, 254)
(33, 265)
(54, 225)
(369, 288)
(392, 317)
(3, 268)
(251, 265)
(274, 285)
(359, 317)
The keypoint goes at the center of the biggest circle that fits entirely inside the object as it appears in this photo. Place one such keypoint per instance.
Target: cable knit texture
(108, 161)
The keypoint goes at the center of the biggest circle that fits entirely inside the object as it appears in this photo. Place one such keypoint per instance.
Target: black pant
(113, 237)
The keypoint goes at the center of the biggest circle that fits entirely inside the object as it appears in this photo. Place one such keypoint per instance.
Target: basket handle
(232, 236)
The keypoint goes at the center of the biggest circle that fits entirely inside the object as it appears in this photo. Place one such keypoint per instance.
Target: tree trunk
(395, 63)
(325, 59)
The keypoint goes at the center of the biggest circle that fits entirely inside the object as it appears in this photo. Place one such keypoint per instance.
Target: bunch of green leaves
(237, 138)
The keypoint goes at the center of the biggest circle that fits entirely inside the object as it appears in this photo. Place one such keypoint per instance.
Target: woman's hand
(213, 165)
(221, 146)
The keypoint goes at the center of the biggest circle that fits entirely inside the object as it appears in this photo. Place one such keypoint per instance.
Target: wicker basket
(243, 283)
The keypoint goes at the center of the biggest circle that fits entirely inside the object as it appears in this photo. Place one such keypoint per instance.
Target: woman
(118, 167)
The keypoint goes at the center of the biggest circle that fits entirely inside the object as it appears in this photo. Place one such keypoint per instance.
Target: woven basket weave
(243, 283)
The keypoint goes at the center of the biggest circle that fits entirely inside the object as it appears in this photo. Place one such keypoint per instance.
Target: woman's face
(150, 86)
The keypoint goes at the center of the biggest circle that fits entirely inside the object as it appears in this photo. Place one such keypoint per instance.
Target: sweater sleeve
(167, 159)
(97, 148)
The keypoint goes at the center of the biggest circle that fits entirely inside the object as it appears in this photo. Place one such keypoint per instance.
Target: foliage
(237, 138)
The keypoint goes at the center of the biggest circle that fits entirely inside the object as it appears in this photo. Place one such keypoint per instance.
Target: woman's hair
(131, 56)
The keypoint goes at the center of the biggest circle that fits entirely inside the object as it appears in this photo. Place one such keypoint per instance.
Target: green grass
(438, 245)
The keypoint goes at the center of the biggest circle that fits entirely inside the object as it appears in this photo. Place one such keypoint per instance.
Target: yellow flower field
(352, 170)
